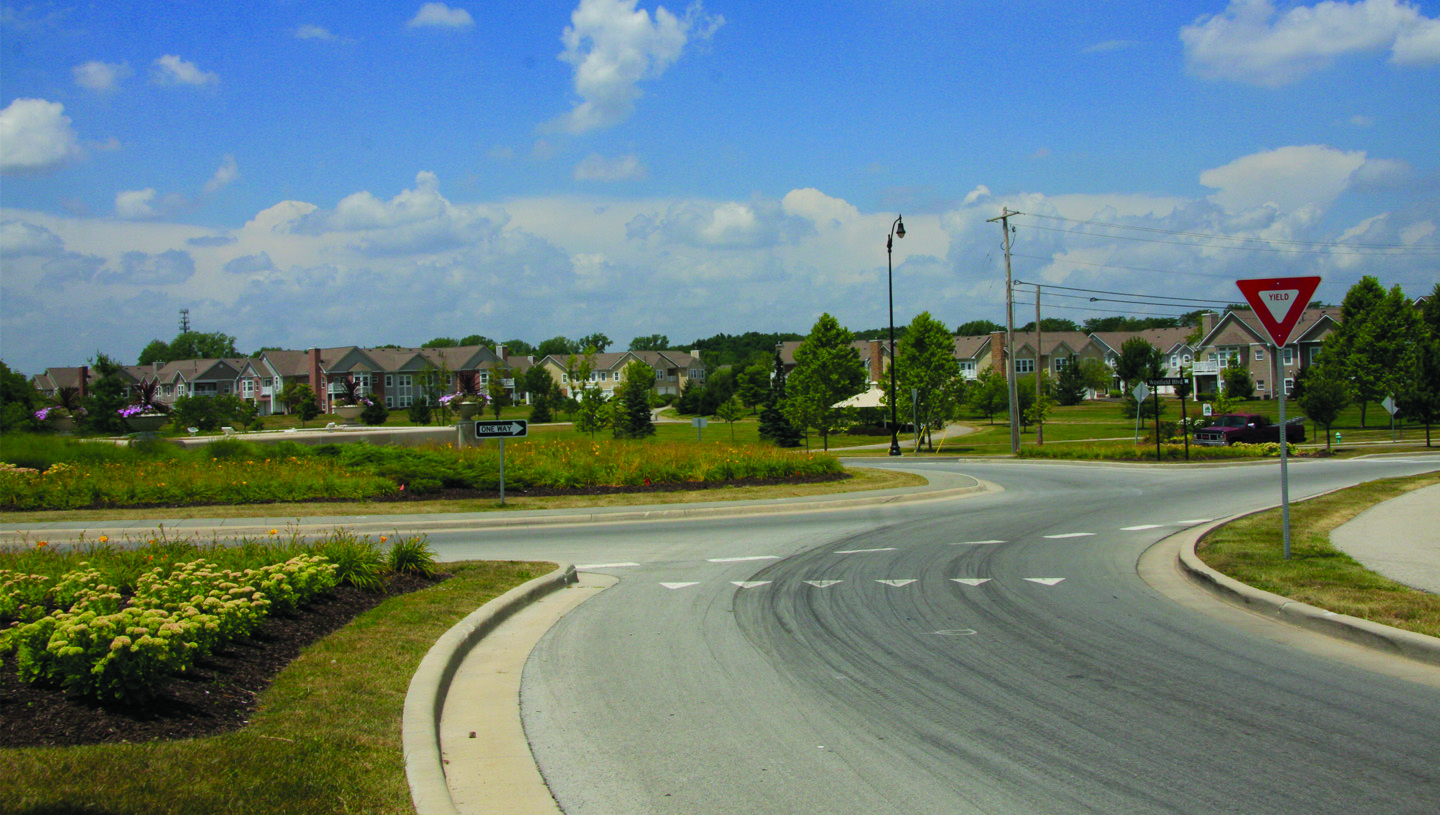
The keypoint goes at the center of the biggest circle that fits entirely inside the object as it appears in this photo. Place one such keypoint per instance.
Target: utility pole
(1039, 355)
(184, 321)
(1004, 220)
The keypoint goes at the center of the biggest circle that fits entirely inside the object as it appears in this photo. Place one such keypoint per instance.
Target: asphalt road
(994, 654)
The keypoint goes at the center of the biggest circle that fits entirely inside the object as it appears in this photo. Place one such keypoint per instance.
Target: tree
(495, 388)
(480, 339)
(1052, 324)
(190, 345)
(1097, 375)
(18, 401)
(1138, 360)
(590, 414)
(441, 342)
(558, 347)
(419, 412)
(1430, 313)
(544, 394)
(375, 413)
(1238, 384)
(295, 393)
(719, 387)
(926, 368)
(975, 328)
(988, 394)
(308, 408)
(598, 341)
(689, 402)
(730, 412)
(107, 395)
(520, 347)
(1070, 386)
(1374, 345)
(827, 370)
(651, 342)
(773, 424)
(1323, 395)
(1419, 397)
(632, 411)
(752, 384)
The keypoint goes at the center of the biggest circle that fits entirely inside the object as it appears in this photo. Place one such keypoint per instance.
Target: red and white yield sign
(1279, 302)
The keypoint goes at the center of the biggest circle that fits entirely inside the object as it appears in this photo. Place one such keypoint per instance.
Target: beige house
(1239, 336)
(673, 369)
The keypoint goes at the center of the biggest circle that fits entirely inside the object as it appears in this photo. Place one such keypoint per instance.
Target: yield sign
(1279, 302)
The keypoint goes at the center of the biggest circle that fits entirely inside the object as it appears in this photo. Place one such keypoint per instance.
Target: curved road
(995, 654)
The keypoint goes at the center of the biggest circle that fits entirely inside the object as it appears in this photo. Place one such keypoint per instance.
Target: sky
(302, 174)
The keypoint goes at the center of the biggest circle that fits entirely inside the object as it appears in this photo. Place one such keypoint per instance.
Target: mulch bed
(219, 695)
(406, 496)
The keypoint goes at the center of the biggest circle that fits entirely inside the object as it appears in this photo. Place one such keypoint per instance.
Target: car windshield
(1231, 421)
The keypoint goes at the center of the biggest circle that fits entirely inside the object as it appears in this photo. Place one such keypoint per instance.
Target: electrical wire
(1116, 266)
(1125, 294)
(1192, 245)
(1426, 249)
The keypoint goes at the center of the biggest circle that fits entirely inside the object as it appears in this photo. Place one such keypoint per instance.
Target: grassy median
(1251, 550)
(326, 739)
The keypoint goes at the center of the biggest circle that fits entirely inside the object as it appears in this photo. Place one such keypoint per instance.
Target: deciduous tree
(827, 371)
(773, 424)
(926, 369)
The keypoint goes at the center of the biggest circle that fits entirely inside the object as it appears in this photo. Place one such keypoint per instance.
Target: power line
(1115, 266)
(1211, 236)
(1098, 310)
(1378, 253)
(1126, 294)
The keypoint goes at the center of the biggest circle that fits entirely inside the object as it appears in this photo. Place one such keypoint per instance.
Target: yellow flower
(273, 532)
(104, 538)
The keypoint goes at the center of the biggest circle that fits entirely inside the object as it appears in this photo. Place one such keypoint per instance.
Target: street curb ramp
(1343, 626)
(420, 725)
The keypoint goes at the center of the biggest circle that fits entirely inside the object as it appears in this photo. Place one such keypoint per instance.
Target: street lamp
(897, 230)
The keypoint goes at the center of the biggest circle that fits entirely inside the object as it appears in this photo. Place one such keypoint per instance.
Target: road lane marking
(896, 583)
(859, 551)
(742, 559)
(589, 566)
(957, 632)
(1045, 581)
(1140, 528)
(1071, 535)
(673, 586)
(1195, 521)
(971, 581)
(749, 584)
(975, 543)
(823, 584)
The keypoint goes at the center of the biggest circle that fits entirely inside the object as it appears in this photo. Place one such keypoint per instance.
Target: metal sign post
(512, 429)
(1389, 405)
(1139, 392)
(1279, 303)
(1171, 382)
(699, 422)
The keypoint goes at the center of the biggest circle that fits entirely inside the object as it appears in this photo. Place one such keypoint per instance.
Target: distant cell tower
(184, 321)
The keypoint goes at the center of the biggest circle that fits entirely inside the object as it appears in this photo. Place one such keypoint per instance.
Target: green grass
(326, 738)
(1251, 550)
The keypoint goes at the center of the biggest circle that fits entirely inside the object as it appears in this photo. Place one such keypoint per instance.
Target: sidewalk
(1399, 539)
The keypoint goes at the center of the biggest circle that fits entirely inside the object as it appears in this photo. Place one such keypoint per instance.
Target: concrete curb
(425, 698)
(1363, 632)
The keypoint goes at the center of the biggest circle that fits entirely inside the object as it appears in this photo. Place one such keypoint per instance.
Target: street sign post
(1179, 382)
(1279, 303)
(1389, 405)
(509, 429)
(699, 422)
(1140, 392)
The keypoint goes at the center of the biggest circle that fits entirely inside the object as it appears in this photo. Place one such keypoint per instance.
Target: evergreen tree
(1373, 348)
(827, 371)
(419, 412)
(108, 392)
(988, 394)
(1322, 396)
(689, 402)
(773, 424)
(1419, 397)
(632, 413)
(1238, 383)
(1070, 386)
(18, 401)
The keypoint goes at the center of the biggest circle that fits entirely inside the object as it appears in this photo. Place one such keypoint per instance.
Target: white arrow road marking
(1045, 581)
(1071, 535)
(673, 586)
(823, 584)
(741, 559)
(896, 583)
(859, 551)
(1139, 528)
(749, 584)
(971, 581)
(1196, 521)
(957, 632)
(974, 543)
(588, 566)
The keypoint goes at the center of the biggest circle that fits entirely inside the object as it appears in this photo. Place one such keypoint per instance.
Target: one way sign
(511, 429)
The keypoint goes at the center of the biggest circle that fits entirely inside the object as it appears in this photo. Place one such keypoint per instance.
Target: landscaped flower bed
(107, 629)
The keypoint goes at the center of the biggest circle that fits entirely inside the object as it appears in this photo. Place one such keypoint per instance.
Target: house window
(1259, 354)
(967, 368)
(403, 383)
(1289, 385)
(389, 381)
(1174, 361)
(1059, 363)
(389, 402)
(1024, 366)
(564, 377)
(1259, 384)
(249, 387)
(604, 376)
(1314, 354)
(1186, 359)
(484, 378)
(1289, 356)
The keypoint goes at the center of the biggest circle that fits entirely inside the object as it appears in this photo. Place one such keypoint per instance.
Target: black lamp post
(897, 230)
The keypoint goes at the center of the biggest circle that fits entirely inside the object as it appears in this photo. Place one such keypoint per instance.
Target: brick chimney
(316, 385)
(997, 353)
(500, 352)
(877, 360)
(1207, 323)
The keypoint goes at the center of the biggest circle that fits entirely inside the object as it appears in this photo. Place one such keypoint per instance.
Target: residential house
(1173, 344)
(874, 354)
(673, 370)
(1239, 336)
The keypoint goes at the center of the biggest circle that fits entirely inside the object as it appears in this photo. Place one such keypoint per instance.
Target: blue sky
(300, 173)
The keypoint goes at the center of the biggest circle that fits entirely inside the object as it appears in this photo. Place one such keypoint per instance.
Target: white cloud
(21, 239)
(439, 15)
(1289, 177)
(1108, 45)
(101, 77)
(1253, 42)
(313, 32)
(596, 167)
(167, 268)
(36, 137)
(224, 175)
(136, 204)
(250, 264)
(820, 209)
(172, 70)
(613, 46)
